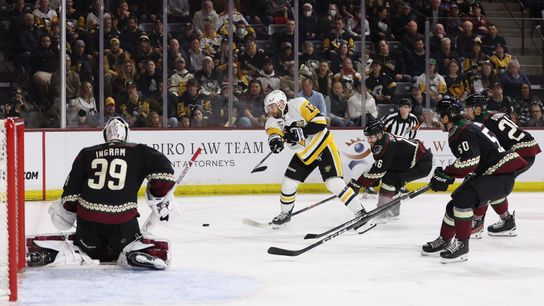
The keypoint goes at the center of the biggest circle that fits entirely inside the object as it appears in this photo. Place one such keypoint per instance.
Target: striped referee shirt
(397, 126)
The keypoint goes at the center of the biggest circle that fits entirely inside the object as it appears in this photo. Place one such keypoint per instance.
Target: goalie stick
(259, 224)
(356, 222)
(153, 219)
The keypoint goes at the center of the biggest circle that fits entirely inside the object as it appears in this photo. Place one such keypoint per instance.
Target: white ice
(227, 264)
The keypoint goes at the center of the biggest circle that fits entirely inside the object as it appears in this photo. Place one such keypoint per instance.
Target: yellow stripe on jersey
(319, 120)
(319, 142)
(272, 130)
(308, 111)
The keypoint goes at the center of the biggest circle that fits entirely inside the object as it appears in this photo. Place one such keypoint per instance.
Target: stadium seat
(386, 109)
(267, 45)
(369, 45)
(146, 27)
(275, 28)
(261, 31)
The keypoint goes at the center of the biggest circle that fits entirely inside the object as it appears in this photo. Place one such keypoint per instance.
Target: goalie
(101, 193)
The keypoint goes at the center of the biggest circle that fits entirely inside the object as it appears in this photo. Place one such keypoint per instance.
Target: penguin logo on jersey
(358, 149)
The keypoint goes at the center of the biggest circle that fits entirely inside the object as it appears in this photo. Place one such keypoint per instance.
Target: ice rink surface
(227, 264)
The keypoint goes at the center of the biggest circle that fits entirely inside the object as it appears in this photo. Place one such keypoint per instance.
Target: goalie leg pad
(57, 253)
(146, 253)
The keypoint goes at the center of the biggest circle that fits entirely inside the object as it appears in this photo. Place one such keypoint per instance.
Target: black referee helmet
(405, 101)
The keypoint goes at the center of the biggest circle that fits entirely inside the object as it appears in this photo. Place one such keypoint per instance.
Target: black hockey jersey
(392, 153)
(104, 181)
(509, 134)
(478, 150)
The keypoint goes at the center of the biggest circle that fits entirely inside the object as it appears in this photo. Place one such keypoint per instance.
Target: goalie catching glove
(440, 180)
(61, 218)
(161, 206)
(276, 143)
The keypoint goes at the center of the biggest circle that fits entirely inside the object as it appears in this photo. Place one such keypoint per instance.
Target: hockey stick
(259, 224)
(377, 210)
(153, 219)
(258, 167)
(356, 222)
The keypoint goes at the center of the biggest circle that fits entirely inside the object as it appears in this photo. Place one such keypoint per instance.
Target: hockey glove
(440, 180)
(161, 206)
(61, 218)
(276, 143)
(294, 134)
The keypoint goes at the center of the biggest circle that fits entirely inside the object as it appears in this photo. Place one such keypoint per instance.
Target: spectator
(435, 12)
(355, 105)
(536, 116)
(415, 64)
(465, 39)
(209, 78)
(81, 61)
(380, 85)
(347, 75)
(178, 10)
(454, 21)
(221, 58)
(287, 35)
(445, 55)
(195, 56)
(512, 79)
(484, 79)
(408, 39)
(338, 60)
(198, 120)
(315, 98)
(26, 41)
(337, 103)
(185, 122)
(393, 64)
(337, 36)
(174, 52)
(154, 120)
(437, 84)
(287, 82)
(207, 13)
(310, 57)
(250, 106)
(285, 58)
(457, 85)
(179, 79)
(109, 109)
(268, 77)
(251, 57)
(523, 103)
(237, 19)
(497, 101)
(478, 19)
(327, 22)
(134, 109)
(19, 105)
(473, 63)
(43, 14)
(146, 54)
(188, 34)
(322, 78)
(115, 59)
(500, 59)
(210, 41)
(418, 102)
(241, 31)
(190, 98)
(45, 61)
(149, 80)
(155, 37)
(130, 37)
(353, 26)
(308, 23)
(400, 20)
(72, 81)
(123, 15)
(82, 110)
(125, 76)
(380, 25)
(492, 39)
(278, 9)
(435, 39)
(17, 13)
(109, 33)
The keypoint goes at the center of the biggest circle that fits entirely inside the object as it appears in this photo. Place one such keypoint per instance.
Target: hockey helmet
(374, 127)
(116, 130)
(275, 97)
(476, 100)
(449, 106)
(405, 101)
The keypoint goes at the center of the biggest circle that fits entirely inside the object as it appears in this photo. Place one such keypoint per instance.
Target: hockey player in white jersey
(300, 124)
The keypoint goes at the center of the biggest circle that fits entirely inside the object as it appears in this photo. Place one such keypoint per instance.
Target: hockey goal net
(12, 191)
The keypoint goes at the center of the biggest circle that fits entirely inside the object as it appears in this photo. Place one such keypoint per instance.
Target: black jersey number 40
(112, 174)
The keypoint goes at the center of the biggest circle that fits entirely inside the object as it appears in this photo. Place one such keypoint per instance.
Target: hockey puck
(205, 224)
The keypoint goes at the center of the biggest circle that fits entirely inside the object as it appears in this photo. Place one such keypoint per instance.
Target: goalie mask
(116, 130)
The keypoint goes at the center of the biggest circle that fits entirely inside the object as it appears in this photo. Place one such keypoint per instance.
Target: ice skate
(432, 248)
(457, 251)
(503, 228)
(281, 219)
(477, 228)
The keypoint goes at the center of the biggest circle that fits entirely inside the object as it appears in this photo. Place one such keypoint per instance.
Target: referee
(403, 123)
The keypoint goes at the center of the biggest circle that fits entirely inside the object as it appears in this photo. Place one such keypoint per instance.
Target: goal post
(12, 191)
